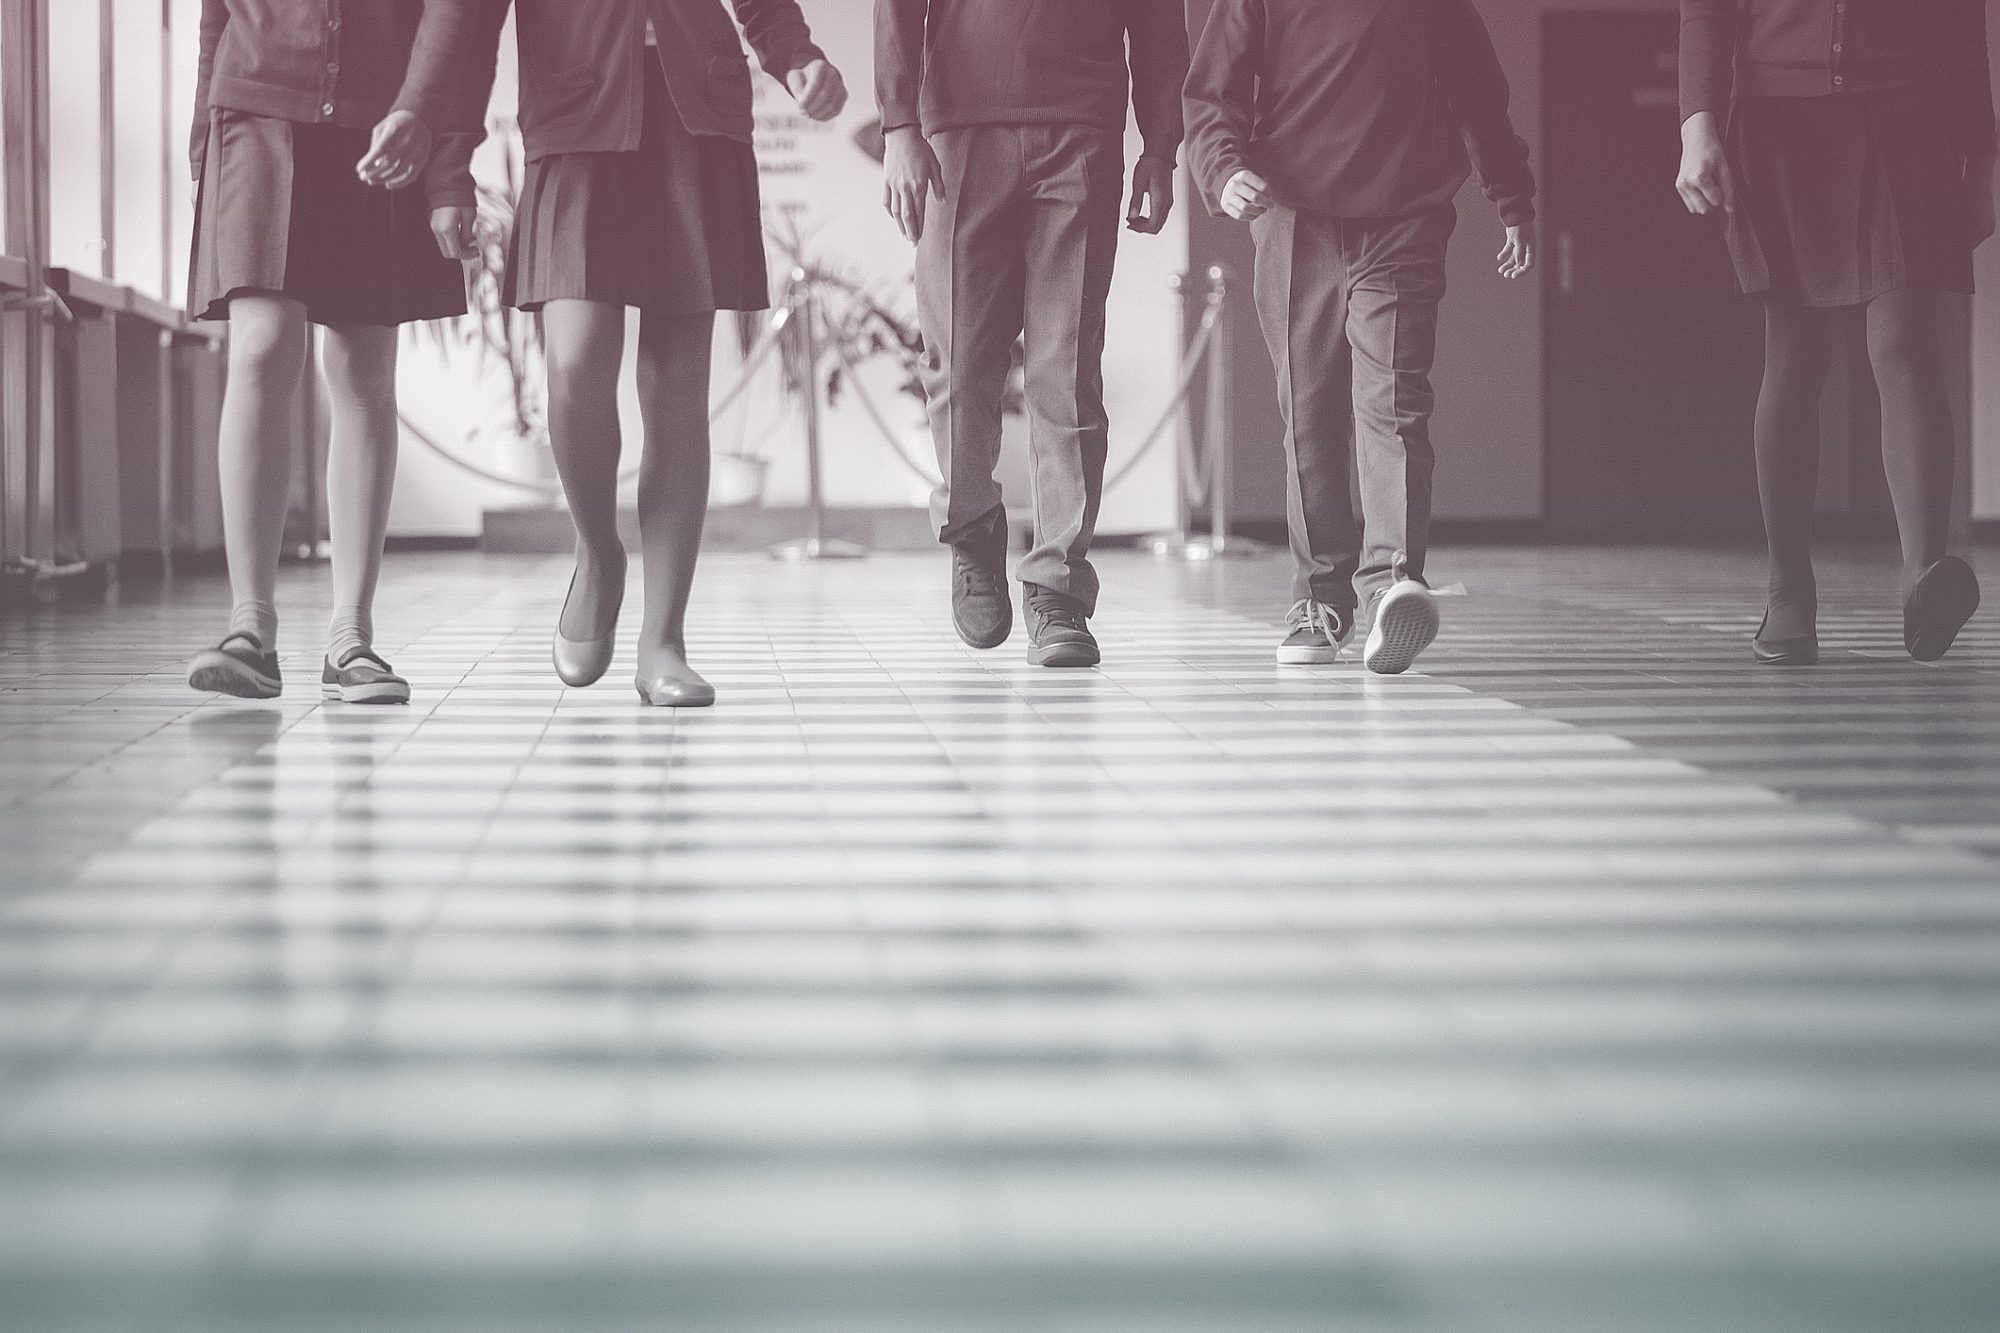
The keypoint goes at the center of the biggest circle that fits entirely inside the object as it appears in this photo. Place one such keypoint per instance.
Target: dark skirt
(1843, 198)
(280, 210)
(674, 226)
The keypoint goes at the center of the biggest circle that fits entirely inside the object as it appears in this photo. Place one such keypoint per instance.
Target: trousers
(1021, 248)
(1349, 309)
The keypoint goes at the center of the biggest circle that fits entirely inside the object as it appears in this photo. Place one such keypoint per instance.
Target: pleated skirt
(1841, 199)
(279, 210)
(674, 226)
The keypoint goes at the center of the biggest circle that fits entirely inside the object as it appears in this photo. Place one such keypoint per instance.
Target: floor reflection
(1594, 980)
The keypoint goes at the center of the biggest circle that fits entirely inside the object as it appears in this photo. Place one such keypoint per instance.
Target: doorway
(1652, 357)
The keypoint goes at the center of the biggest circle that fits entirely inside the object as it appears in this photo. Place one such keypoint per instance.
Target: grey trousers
(1350, 309)
(1021, 244)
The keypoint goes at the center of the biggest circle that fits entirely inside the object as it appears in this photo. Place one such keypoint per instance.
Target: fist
(1247, 197)
(819, 89)
(398, 151)
(455, 228)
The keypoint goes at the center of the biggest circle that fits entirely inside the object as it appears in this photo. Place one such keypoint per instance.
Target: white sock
(352, 631)
(259, 620)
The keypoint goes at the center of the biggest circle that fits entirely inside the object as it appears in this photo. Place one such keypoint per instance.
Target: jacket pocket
(561, 102)
(730, 95)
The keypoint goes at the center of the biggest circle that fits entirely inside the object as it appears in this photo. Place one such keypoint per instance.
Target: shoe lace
(1308, 614)
(975, 579)
(1057, 611)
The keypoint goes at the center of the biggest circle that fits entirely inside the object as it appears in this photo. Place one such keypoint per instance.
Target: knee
(362, 369)
(267, 350)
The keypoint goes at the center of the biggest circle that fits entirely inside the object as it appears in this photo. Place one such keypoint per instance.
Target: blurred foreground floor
(1596, 980)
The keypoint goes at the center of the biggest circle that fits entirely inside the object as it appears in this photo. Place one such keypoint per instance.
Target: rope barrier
(753, 361)
(1194, 358)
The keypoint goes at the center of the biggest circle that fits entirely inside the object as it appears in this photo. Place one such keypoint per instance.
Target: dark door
(1653, 359)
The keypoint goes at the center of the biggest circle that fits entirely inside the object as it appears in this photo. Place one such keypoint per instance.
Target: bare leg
(674, 356)
(1798, 348)
(1918, 437)
(360, 363)
(585, 341)
(267, 355)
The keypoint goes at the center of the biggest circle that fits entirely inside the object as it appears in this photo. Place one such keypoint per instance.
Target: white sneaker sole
(383, 692)
(1307, 656)
(1406, 623)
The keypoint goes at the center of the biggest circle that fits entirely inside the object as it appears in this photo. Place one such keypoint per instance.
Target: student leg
(674, 355)
(1918, 438)
(267, 356)
(1075, 189)
(1919, 456)
(585, 344)
(971, 280)
(1798, 348)
(1397, 284)
(360, 362)
(1301, 290)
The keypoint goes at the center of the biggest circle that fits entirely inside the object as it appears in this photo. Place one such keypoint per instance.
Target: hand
(455, 227)
(1704, 182)
(820, 91)
(910, 175)
(1517, 256)
(397, 152)
(1979, 198)
(1247, 197)
(1152, 195)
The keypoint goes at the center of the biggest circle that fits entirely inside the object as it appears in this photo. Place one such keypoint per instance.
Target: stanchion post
(815, 545)
(1172, 543)
(1216, 414)
(1221, 471)
(169, 510)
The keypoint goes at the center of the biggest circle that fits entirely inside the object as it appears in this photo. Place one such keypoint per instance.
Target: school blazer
(582, 62)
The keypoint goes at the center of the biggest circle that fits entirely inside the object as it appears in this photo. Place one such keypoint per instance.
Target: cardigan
(1831, 48)
(946, 64)
(1355, 109)
(582, 89)
(341, 62)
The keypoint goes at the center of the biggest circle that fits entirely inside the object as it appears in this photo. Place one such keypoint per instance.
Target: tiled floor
(1595, 981)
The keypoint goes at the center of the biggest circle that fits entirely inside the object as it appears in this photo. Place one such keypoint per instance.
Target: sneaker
(363, 678)
(1058, 630)
(1317, 634)
(237, 666)
(980, 608)
(1406, 620)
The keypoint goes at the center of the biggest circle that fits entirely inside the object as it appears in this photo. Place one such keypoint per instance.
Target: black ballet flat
(1800, 651)
(1945, 597)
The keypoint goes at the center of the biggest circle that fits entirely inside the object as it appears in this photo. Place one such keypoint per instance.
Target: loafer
(1802, 650)
(362, 678)
(581, 662)
(237, 666)
(674, 692)
(1945, 597)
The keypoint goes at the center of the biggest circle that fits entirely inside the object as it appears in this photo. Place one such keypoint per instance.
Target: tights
(267, 358)
(585, 341)
(1905, 353)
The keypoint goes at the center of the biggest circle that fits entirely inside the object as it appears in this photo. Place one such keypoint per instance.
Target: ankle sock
(351, 631)
(257, 619)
